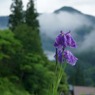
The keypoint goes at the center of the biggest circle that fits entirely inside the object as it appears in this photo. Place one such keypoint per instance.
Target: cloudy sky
(46, 6)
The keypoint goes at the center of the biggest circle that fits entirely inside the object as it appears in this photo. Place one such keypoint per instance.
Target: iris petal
(70, 40)
(61, 41)
(70, 58)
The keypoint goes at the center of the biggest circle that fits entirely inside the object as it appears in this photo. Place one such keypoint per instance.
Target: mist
(51, 24)
(88, 43)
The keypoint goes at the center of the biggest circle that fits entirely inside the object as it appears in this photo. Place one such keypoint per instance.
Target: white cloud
(89, 42)
(52, 23)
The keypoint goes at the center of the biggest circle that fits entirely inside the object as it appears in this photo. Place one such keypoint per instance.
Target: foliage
(29, 38)
(9, 46)
(31, 15)
(37, 78)
(17, 16)
(9, 88)
(63, 87)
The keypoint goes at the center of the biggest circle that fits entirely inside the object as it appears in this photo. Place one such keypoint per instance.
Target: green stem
(58, 75)
(58, 79)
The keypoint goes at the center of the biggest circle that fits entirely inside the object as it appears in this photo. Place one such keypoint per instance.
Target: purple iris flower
(61, 42)
(64, 40)
(68, 56)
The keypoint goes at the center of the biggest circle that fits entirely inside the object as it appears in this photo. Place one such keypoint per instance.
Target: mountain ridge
(67, 9)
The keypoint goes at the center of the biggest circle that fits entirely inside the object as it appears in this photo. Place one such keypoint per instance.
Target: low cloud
(50, 55)
(51, 24)
(88, 43)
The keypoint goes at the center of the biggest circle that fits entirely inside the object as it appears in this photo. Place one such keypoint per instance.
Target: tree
(31, 15)
(17, 16)
(36, 76)
(9, 47)
(33, 28)
(30, 38)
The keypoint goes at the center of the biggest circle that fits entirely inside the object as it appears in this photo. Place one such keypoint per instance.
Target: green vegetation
(24, 69)
(29, 37)
(31, 15)
(9, 88)
(34, 73)
(17, 16)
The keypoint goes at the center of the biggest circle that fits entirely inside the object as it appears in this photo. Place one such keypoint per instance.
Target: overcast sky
(46, 6)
